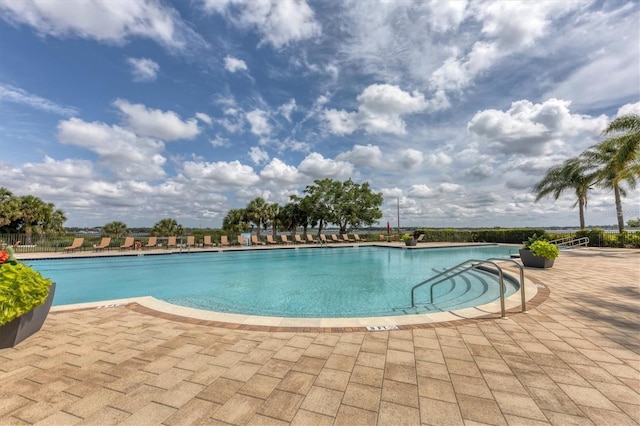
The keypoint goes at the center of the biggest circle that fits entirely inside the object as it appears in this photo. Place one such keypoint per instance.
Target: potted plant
(25, 300)
(409, 240)
(537, 252)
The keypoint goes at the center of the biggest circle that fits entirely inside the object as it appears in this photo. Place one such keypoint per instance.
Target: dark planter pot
(529, 259)
(30, 323)
(412, 242)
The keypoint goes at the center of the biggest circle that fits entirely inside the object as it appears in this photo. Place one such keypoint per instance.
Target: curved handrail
(473, 263)
(523, 301)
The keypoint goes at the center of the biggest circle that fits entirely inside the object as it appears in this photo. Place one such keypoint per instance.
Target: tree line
(29, 215)
(611, 164)
(344, 204)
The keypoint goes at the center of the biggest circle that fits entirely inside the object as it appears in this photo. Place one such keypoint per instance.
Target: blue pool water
(305, 282)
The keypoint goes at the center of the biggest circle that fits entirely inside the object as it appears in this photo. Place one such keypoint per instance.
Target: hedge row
(597, 237)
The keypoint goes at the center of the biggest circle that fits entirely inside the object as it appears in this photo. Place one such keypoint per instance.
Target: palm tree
(273, 211)
(570, 175)
(167, 227)
(116, 229)
(257, 212)
(617, 159)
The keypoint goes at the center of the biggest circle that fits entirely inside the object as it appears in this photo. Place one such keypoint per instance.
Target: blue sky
(139, 110)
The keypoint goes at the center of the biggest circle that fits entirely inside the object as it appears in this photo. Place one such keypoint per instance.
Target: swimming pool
(307, 282)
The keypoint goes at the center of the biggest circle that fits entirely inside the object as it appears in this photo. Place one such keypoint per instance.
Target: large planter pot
(24, 326)
(411, 243)
(533, 261)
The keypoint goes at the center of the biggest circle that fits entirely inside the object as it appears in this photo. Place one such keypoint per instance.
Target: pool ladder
(468, 265)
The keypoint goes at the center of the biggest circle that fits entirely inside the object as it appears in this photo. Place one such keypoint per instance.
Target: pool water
(305, 282)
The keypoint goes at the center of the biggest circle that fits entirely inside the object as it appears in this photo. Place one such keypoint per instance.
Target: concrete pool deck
(572, 359)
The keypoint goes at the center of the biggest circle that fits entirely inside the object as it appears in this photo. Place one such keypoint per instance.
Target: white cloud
(67, 169)
(226, 174)
(629, 109)
(17, 95)
(410, 158)
(279, 22)
(286, 109)
(164, 125)
(280, 173)
(528, 128)
(450, 187)
(143, 69)
(232, 64)
(220, 141)
(318, 167)
(111, 22)
(121, 151)
(380, 110)
(363, 156)
(258, 119)
(204, 117)
(420, 191)
(446, 15)
(258, 155)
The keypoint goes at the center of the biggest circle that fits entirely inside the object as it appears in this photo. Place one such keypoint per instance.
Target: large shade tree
(235, 221)
(572, 175)
(29, 214)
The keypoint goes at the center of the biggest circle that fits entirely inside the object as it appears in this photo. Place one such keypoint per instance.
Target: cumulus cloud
(121, 151)
(164, 125)
(363, 156)
(280, 173)
(410, 158)
(17, 95)
(258, 155)
(143, 69)
(67, 169)
(629, 109)
(317, 167)
(258, 119)
(232, 64)
(528, 128)
(111, 22)
(380, 110)
(279, 22)
(420, 191)
(446, 16)
(226, 174)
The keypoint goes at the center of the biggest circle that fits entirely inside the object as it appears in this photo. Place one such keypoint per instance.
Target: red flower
(4, 256)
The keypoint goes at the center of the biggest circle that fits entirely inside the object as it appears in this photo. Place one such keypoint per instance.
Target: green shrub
(21, 289)
(544, 249)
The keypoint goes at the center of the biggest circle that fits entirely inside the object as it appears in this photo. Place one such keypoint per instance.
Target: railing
(569, 242)
(465, 267)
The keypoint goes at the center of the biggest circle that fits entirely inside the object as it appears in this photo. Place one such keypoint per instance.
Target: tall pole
(398, 215)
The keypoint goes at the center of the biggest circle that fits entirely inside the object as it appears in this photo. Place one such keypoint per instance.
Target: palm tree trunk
(616, 193)
(581, 205)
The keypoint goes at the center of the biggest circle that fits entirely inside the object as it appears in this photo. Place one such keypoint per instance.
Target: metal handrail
(571, 242)
(473, 263)
(523, 301)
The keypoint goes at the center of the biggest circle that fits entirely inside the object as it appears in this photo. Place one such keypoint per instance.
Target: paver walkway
(575, 359)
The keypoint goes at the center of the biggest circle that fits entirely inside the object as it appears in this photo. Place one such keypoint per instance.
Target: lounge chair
(284, 239)
(270, 240)
(191, 241)
(323, 239)
(345, 238)
(171, 242)
(103, 244)
(152, 243)
(128, 243)
(298, 239)
(335, 239)
(224, 241)
(241, 240)
(357, 238)
(206, 242)
(255, 241)
(75, 245)
(310, 239)
(420, 238)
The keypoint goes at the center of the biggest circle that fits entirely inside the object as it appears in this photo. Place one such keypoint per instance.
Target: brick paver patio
(574, 359)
